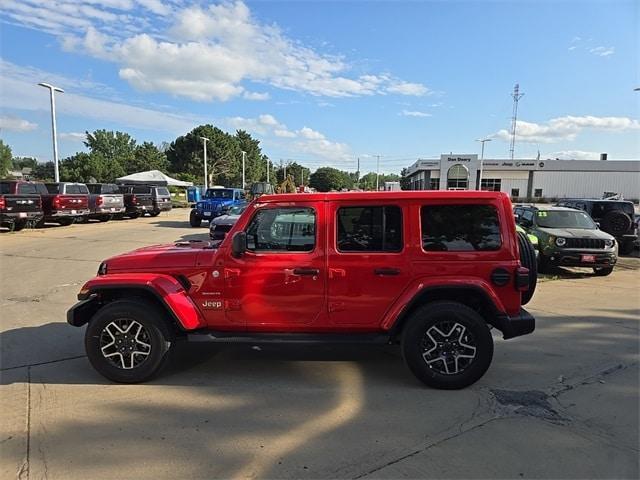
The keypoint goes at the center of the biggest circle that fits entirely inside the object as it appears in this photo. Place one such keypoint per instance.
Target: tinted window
(109, 189)
(459, 228)
(141, 189)
(564, 219)
(76, 189)
(27, 188)
(219, 193)
(528, 216)
(94, 187)
(52, 187)
(369, 229)
(162, 191)
(282, 229)
(4, 188)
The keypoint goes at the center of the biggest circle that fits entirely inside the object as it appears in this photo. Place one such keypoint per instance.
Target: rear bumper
(67, 213)
(162, 207)
(108, 211)
(515, 326)
(13, 216)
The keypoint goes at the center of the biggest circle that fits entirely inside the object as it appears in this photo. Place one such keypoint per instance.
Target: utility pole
(514, 118)
(53, 89)
(268, 170)
(206, 175)
(378, 174)
(482, 141)
(244, 156)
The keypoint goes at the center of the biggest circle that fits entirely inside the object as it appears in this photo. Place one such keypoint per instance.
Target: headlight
(609, 243)
(102, 269)
(561, 242)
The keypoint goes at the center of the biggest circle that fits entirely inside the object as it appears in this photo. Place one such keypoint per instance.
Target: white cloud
(20, 92)
(73, 136)
(573, 155)
(283, 133)
(566, 128)
(414, 113)
(200, 52)
(16, 124)
(603, 51)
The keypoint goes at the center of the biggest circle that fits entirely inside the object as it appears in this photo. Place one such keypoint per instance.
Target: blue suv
(216, 202)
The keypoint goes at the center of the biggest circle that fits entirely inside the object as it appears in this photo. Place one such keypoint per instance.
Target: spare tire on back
(528, 260)
(616, 222)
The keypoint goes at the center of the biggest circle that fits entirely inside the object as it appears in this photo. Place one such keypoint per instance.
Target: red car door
(368, 267)
(279, 282)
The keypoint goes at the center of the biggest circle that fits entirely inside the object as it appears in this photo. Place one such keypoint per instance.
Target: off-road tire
(433, 314)
(19, 225)
(616, 222)
(626, 246)
(159, 336)
(602, 271)
(39, 223)
(194, 221)
(528, 260)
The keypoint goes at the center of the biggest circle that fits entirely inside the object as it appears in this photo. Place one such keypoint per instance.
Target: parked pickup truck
(105, 201)
(430, 271)
(138, 200)
(64, 203)
(20, 203)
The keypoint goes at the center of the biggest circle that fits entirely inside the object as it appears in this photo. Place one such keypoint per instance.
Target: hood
(158, 257)
(225, 220)
(576, 233)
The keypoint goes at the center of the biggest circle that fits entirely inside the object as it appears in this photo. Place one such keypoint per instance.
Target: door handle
(386, 271)
(311, 272)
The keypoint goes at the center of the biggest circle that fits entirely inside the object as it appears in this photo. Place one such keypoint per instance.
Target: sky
(325, 83)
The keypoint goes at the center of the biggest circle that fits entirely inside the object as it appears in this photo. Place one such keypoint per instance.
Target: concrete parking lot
(560, 403)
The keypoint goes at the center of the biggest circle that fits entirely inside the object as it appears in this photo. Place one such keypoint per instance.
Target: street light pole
(244, 156)
(206, 175)
(482, 141)
(53, 89)
(267, 170)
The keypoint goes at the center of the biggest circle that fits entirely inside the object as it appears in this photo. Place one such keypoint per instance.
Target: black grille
(584, 243)
(223, 228)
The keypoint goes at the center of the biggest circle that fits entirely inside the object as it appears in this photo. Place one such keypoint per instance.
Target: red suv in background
(431, 271)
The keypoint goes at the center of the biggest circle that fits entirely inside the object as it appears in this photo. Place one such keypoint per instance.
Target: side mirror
(598, 225)
(238, 244)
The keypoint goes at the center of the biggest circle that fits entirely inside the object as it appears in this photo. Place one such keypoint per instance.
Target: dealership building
(534, 179)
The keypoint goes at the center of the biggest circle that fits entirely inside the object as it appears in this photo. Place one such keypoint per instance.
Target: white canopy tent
(152, 177)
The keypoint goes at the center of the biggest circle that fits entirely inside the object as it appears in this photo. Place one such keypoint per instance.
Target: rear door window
(369, 229)
(5, 188)
(141, 189)
(460, 228)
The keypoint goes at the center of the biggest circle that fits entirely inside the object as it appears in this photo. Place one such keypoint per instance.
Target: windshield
(237, 210)
(565, 219)
(219, 193)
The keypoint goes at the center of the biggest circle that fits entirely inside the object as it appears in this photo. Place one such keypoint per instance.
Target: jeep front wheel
(194, 220)
(447, 345)
(127, 341)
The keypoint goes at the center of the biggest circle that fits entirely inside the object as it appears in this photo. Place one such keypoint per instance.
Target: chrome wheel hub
(448, 348)
(125, 343)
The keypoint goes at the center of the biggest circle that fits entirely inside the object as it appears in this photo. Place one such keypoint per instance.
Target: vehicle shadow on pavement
(176, 224)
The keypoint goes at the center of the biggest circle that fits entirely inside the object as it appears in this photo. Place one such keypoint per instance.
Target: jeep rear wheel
(528, 260)
(127, 341)
(447, 345)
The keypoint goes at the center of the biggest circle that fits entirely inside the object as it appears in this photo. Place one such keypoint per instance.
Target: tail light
(99, 200)
(134, 199)
(2, 203)
(56, 202)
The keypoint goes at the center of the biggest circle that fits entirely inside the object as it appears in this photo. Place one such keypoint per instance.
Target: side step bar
(291, 338)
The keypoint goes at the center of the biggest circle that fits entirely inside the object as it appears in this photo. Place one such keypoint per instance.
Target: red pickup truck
(65, 202)
(431, 271)
(20, 203)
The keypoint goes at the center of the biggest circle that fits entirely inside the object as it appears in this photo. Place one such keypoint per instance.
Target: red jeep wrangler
(431, 271)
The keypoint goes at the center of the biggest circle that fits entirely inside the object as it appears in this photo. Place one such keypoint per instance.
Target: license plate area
(207, 214)
(588, 258)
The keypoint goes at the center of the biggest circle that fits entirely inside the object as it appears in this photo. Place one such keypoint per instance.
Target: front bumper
(574, 258)
(515, 326)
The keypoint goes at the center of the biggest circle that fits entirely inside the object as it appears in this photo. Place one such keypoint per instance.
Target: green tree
(24, 162)
(224, 156)
(5, 159)
(326, 179)
(44, 172)
(256, 162)
(404, 179)
(147, 157)
(116, 149)
(295, 170)
(368, 181)
(87, 167)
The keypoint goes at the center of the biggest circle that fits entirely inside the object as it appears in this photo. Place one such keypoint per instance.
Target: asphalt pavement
(560, 403)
